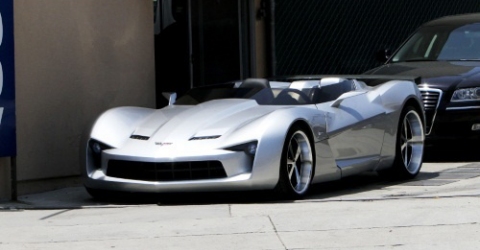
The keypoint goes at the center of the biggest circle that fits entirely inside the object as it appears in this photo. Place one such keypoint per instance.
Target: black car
(445, 53)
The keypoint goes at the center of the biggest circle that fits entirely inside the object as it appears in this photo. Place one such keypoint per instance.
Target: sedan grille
(166, 171)
(431, 99)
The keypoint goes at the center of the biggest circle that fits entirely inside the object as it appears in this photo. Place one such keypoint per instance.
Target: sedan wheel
(297, 163)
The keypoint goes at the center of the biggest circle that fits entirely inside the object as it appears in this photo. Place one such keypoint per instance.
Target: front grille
(166, 171)
(431, 98)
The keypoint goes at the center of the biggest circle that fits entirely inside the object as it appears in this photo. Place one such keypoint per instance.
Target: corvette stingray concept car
(259, 134)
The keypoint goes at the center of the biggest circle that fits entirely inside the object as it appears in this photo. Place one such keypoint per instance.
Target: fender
(115, 125)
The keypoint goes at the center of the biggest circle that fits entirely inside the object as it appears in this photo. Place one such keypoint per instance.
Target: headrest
(255, 83)
(310, 84)
(331, 80)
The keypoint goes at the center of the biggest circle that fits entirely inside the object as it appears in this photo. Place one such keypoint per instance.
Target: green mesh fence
(342, 36)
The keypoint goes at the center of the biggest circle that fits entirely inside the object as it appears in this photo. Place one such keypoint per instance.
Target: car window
(442, 43)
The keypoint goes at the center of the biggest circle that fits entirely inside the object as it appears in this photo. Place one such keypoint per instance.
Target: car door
(355, 130)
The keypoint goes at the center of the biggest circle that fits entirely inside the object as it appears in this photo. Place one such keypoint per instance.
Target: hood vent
(139, 137)
(210, 137)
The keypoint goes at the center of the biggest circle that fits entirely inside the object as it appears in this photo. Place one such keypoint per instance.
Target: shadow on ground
(347, 186)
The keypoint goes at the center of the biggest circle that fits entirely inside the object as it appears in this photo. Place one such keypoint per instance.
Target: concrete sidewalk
(439, 210)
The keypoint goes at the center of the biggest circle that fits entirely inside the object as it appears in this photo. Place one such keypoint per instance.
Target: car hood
(445, 75)
(215, 118)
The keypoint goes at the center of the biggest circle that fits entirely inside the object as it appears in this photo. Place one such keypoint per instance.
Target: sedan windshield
(442, 43)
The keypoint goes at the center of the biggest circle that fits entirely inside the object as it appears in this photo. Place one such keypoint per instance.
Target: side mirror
(383, 55)
(171, 97)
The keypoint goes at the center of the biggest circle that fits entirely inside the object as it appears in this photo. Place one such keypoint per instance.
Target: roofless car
(258, 134)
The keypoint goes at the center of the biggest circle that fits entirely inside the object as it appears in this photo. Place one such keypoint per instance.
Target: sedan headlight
(465, 95)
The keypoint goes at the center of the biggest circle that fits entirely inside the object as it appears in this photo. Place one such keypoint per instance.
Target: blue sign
(8, 145)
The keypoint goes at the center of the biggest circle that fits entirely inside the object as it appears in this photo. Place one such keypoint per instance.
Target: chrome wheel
(411, 142)
(299, 162)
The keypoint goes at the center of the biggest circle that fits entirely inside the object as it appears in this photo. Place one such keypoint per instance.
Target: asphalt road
(437, 210)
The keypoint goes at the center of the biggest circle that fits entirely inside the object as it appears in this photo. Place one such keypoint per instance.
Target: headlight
(465, 95)
(97, 147)
(250, 148)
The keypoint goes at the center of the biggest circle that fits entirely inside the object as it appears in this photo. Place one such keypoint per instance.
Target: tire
(409, 146)
(297, 164)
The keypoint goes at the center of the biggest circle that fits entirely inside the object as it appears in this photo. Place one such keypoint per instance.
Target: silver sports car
(259, 134)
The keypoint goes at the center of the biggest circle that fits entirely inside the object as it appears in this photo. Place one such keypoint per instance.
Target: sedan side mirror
(383, 55)
(171, 97)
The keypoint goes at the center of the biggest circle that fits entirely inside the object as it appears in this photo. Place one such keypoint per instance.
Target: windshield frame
(302, 92)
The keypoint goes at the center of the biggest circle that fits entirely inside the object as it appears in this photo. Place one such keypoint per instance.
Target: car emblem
(163, 143)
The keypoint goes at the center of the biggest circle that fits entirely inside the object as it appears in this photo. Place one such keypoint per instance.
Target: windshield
(442, 43)
(268, 96)
(264, 96)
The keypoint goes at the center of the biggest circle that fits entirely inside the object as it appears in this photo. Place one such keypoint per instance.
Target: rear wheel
(297, 164)
(409, 146)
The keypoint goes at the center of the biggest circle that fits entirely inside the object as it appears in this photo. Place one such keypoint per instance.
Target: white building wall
(74, 59)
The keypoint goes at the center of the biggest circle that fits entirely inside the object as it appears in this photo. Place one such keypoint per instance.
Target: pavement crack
(382, 227)
(388, 197)
(276, 232)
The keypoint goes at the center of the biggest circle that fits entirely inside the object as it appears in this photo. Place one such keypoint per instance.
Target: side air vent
(210, 137)
(139, 137)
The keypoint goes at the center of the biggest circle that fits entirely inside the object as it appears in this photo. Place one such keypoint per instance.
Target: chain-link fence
(342, 36)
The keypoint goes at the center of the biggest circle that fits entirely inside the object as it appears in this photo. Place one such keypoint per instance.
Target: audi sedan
(445, 53)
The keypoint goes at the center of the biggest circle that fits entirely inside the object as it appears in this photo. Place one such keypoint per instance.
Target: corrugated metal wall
(342, 36)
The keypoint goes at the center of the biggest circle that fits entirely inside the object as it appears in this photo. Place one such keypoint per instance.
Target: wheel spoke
(291, 169)
(406, 156)
(297, 153)
(297, 178)
(406, 146)
(416, 140)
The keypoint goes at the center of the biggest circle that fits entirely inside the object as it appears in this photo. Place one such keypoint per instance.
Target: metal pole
(13, 177)
(271, 38)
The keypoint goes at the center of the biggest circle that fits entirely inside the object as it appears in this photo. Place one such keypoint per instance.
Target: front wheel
(409, 146)
(297, 164)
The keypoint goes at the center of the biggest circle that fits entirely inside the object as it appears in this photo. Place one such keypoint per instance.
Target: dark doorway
(200, 42)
